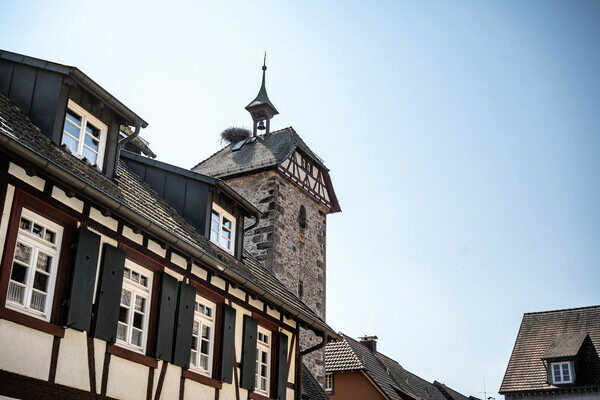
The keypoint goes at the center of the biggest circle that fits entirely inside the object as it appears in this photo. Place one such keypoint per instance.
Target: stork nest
(235, 134)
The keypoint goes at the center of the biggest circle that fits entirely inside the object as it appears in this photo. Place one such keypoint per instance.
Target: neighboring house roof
(311, 390)
(78, 76)
(393, 380)
(450, 393)
(142, 144)
(554, 334)
(260, 153)
(130, 193)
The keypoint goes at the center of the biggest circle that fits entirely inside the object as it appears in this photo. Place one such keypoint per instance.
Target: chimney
(370, 342)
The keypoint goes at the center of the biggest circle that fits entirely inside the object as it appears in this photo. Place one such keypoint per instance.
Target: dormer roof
(80, 78)
(549, 334)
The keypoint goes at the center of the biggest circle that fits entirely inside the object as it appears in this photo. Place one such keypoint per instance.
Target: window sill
(203, 379)
(32, 322)
(256, 396)
(132, 356)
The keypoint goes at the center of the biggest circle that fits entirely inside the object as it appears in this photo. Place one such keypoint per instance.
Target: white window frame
(202, 318)
(329, 381)
(37, 244)
(262, 347)
(85, 117)
(222, 214)
(561, 365)
(137, 290)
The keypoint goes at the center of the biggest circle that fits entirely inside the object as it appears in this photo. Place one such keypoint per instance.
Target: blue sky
(462, 137)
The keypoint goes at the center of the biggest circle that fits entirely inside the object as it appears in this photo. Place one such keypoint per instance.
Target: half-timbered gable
(110, 288)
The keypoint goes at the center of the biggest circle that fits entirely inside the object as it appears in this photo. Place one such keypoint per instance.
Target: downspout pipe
(129, 138)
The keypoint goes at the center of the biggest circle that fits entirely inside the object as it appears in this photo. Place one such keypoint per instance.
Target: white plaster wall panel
(72, 202)
(5, 217)
(199, 271)
(155, 248)
(99, 354)
(170, 389)
(196, 391)
(273, 313)
(218, 282)
(108, 222)
(156, 376)
(178, 260)
(227, 391)
(291, 370)
(131, 235)
(289, 321)
(127, 379)
(239, 328)
(256, 303)
(239, 293)
(20, 173)
(174, 274)
(103, 239)
(25, 351)
(72, 364)
(7, 398)
(289, 394)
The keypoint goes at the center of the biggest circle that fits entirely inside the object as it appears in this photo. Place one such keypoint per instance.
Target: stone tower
(279, 173)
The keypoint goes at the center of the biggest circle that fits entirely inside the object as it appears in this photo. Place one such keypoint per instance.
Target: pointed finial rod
(265, 62)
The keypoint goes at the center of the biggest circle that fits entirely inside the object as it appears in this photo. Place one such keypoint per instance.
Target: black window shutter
(166, 317)
(227, 356)
(82, 276)
(185, 324)
(247, 380)
(282, 367)
(108, 296)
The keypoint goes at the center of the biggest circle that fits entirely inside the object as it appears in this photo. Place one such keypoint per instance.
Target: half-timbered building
(122, 277)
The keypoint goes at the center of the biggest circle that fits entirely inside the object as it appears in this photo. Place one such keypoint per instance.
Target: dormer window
(222, 228)
(562, 372)
(84, 135)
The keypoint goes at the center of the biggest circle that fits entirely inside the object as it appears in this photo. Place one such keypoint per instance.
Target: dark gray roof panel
(311, 390)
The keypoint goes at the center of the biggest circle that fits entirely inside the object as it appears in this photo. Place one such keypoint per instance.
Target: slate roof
(260, 153)
(388, 375)
(311, 390)
(130, 191)
(551, 332)
(451, 394)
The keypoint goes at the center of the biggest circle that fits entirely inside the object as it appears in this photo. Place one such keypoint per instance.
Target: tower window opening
(302, 217)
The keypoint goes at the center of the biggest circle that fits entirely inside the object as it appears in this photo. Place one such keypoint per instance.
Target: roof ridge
(562, 310)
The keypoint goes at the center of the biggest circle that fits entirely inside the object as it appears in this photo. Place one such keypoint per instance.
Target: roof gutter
(151, 227)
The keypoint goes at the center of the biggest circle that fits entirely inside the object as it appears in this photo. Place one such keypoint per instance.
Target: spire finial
(265, 62)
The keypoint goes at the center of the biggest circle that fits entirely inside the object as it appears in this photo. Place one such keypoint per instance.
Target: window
(35, 262)
(561, 372)
(263, 354)
(302, 217)
(222, 228)
(132, 328)
(83, 134)
(202, 336)
(329, 382)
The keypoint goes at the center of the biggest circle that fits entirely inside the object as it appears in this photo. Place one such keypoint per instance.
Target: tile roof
(567, 345)
(132, 192)
(550, 331)
(262, 152)
(311, 390)
(451, 394)
(388, 375)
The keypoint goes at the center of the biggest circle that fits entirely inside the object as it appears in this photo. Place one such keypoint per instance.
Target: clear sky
(463, 141)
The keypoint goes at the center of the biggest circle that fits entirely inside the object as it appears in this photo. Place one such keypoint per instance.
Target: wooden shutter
(166, 317)
(282, 367)
(108, 297)
(227, 356)
(185, 324)
(82, 276)
(247, 379)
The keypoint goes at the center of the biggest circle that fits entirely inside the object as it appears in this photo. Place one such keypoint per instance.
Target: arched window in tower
(302, 217)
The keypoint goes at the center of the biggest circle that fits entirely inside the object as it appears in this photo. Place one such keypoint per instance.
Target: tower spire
(261, 109)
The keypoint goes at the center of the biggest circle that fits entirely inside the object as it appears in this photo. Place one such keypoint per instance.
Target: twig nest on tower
(235, 134)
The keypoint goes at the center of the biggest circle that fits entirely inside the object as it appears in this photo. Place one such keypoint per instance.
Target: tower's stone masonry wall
(276, 242)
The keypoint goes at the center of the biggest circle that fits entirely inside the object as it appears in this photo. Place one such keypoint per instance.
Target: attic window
(562, 372)
(84, 135)
(222, 228)
(306, 165)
